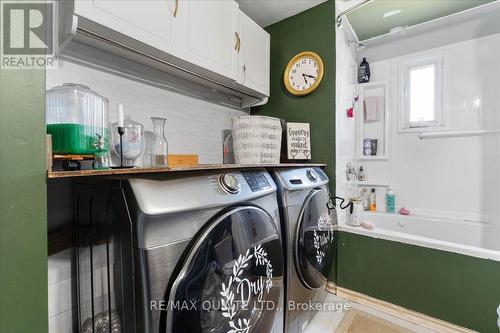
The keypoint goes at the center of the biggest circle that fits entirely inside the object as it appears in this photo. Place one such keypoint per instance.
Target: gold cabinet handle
(176, 7)
(238, 42)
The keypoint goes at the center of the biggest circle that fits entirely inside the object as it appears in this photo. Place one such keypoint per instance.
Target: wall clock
(303, 73)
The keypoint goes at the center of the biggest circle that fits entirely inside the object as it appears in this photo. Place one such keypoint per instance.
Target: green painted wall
(459, 289)
(23, 211)
(312, 30)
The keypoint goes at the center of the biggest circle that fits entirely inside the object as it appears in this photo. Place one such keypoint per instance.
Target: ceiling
(368, 21)
(267, 12)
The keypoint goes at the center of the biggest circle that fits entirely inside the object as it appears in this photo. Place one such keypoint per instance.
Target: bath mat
(361, 322)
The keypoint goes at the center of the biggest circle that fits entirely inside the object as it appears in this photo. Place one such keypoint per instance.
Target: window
(421, 84)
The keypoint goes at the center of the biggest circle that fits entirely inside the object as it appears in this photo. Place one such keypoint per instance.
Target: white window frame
(405, 66)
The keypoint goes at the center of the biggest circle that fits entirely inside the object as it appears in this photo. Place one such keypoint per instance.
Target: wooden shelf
(201, 167)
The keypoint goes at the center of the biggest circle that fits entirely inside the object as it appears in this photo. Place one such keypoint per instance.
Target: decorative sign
(245, 288)
(298, 141)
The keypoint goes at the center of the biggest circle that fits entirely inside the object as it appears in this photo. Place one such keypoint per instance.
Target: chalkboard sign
(298, 141)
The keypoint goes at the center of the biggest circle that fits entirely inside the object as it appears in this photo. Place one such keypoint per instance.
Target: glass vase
(133, 141)
(159, 145)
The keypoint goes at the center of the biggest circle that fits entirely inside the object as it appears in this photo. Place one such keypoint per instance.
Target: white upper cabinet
(253, 60)
(210, 34)
(207, 39)
(148, 21)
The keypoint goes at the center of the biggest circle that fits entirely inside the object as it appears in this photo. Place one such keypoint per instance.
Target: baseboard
(398, 311)
(331, 287)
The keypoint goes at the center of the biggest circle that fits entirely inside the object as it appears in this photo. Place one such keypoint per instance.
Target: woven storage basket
(256, 140)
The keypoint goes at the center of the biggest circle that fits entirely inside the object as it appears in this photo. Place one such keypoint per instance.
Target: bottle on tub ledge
(373, 201)
(365, 199)
(390, 201)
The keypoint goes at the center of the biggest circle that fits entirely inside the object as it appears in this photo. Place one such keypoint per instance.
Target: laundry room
(249, 166)
(175, 187)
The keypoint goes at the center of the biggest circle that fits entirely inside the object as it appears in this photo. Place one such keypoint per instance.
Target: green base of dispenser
(75, 138)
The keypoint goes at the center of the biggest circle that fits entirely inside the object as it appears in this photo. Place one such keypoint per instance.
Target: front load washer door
(314, 242)
(230, 278)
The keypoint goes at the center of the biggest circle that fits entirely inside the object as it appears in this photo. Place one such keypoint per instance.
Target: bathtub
(471, 238)
(445, 268)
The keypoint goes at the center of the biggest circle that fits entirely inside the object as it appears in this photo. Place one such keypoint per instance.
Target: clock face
(303, 73)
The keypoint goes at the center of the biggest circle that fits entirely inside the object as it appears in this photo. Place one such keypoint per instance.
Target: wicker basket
(256, 140)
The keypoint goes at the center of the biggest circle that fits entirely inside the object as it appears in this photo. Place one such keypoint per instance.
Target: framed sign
(298, 141)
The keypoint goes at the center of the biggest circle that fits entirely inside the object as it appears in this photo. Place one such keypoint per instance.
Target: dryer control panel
(256, 180)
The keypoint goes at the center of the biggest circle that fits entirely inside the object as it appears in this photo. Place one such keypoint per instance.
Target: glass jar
(74, 115)
(133, 140)
(159, 146)
(101, 156)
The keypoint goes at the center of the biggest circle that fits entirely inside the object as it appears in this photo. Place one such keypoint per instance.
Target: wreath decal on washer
(318, 240)
(228, 306)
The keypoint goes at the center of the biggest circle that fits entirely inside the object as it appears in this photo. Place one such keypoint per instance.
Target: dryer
(308, 224)
(208, 253)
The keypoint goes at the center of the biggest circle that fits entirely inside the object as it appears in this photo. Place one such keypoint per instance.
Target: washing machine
(207, 253)
(308, 224)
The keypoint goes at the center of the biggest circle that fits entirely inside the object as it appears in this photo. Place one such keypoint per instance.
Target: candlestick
(121, 131)
(120, 115)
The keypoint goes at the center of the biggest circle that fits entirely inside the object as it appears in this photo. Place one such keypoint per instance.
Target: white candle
(120, 115)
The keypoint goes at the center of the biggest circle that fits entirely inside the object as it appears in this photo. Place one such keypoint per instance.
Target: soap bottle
(373, 201)
(361, 174)
(364, 72)
(390, 201)
(365, 199)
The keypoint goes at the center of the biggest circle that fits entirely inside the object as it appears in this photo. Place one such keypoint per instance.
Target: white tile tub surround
(454, 178)
(193, 126)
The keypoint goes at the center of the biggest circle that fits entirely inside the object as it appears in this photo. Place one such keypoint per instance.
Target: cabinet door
(147, 21)
(253, 64)
(211, 28)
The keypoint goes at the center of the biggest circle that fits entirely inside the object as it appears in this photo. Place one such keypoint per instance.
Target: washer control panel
(311, 175)
(295, 179)
(256, 180)
(321, 174)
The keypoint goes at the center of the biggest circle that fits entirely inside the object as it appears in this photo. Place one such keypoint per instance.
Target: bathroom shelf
(201, 167)
(368, 184)
(365, 183)
(378, 129)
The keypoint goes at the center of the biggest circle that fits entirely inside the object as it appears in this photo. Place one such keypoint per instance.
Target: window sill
(423, 129)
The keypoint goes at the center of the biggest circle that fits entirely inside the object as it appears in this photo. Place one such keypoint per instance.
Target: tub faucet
(350, 171)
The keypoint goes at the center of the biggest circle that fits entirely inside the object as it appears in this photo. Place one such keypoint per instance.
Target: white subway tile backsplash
(60, 297)
(60, 266)
(63, 322)
(193, 126)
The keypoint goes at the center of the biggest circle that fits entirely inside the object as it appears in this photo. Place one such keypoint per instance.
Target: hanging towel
(371, 109)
